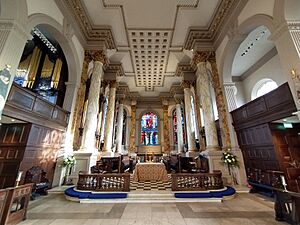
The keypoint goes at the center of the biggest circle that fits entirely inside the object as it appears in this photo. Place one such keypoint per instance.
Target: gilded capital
(113, 84)
(96, 55)
(204, 56)
(185, 84)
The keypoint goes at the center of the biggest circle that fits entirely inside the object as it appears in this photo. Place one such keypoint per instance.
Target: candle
(283, 181)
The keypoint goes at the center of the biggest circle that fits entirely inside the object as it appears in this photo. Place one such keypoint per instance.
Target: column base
(214, 161)
(84, 162)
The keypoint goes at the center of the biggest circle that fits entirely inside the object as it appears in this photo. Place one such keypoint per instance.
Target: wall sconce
(294, 74)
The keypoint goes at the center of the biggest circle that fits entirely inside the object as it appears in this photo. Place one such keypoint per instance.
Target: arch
(69, 49)
(259, 85)
(235, 41)
(149, 110)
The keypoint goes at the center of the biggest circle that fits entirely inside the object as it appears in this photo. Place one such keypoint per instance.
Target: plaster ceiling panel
(107, 16)
(199, 16)
(127, 63)
(251, 50)
(147, 14)
(174, 59)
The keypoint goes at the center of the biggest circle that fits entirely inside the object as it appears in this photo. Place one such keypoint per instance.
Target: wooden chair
(37, 176)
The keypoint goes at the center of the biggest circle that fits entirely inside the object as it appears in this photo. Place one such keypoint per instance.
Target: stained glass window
(149, 129)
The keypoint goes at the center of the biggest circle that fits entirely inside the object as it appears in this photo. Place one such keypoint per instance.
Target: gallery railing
(196, 181)
(104, 182)
(13, 204)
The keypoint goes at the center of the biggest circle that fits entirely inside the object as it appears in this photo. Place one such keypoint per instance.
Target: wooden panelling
(275, 105)
(264, 147)
(26, 105)
(43, 108)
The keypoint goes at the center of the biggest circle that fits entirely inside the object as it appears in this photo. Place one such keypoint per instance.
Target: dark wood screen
(266, 148)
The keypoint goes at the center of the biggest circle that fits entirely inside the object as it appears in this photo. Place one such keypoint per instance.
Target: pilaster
(166, 127)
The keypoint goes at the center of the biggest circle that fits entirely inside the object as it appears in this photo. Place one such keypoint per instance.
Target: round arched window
(149, 129)
(263, 87)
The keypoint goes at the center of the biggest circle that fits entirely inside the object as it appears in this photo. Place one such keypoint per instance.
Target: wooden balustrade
(196, 181)
(287, 206)
(104, 182)
(13, 204)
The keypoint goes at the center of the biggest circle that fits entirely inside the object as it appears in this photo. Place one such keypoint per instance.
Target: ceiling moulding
(123, 89)
(197, 34)
(184, 68)
(115, 68)
(93, 34)
(176, 89)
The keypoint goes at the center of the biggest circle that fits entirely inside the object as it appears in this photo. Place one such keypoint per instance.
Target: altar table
(150, 172)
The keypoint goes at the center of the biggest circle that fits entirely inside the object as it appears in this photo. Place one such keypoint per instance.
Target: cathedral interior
(157, 112)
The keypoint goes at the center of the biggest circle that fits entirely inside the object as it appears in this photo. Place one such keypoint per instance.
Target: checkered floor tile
(150, 185)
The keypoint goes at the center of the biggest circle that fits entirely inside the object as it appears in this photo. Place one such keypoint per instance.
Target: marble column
(166, 127)
(109, 126)
(230, 91)
(133, 126)
(220, 100)
(120, 125)
(104, 112)
(90, 126)
(78, 111)
(207, 107)
(198, 119)
(190, 130)
(179, 126)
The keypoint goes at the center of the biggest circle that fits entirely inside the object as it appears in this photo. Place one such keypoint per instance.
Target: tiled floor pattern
(244, 209)
(150, 185)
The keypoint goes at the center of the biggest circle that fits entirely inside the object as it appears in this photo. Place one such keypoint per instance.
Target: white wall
(272, 69)
(47, 7)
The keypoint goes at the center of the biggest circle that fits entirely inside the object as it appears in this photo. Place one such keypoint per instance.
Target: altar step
(149, 196)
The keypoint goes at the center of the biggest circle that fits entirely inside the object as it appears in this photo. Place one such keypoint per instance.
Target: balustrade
(197, 181)
(104, 182)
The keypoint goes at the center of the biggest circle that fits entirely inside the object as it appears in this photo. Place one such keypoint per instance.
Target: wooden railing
(104, 182)
(196, 181)
(287, 206)
(13, 204)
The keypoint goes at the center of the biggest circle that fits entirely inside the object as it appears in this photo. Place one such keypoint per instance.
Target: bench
(37, 176)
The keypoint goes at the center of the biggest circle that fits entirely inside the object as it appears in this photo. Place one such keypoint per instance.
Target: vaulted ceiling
(150, 38)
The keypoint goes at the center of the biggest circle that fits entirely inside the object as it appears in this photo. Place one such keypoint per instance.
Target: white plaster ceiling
(251, 50)
(149, 36)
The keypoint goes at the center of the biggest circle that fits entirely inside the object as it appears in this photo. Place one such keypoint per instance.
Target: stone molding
(181, 68)
(198, 34)
(90, 32)
(115, 68)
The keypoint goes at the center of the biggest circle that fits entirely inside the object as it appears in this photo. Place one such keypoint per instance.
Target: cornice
(181, 68)
(197, 34)
(92, 34)
(116, 68)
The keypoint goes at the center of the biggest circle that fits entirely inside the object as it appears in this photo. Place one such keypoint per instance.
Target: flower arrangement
(230, 159)
(69, 164)
(69, 161)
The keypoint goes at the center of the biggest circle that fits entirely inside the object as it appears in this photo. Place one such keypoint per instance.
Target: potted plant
(69, 163)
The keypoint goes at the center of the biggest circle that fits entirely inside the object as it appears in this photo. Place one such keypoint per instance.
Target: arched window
(149, 129)
(263, 87)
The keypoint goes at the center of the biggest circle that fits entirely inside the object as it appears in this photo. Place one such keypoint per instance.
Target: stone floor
(246, 209)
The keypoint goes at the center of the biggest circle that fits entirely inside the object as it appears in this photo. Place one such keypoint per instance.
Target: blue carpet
(212, 194)
(89, 195)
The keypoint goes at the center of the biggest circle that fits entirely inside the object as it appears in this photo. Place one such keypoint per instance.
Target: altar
(150, 172)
